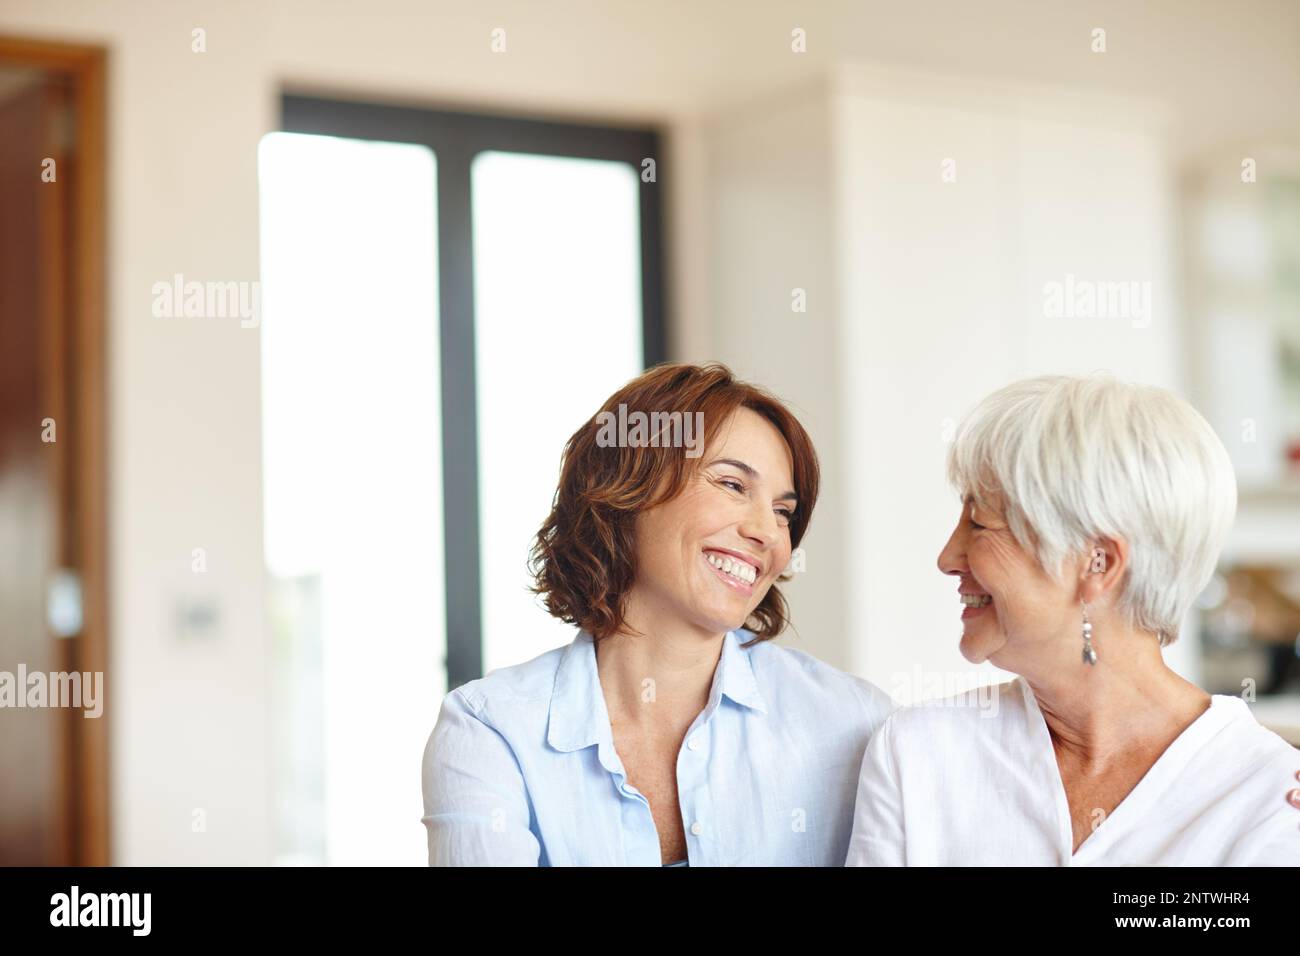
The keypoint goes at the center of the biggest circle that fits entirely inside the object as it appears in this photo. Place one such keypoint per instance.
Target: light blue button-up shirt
(521, 769)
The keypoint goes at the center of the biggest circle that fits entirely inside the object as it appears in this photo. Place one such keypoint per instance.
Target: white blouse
(974, 782)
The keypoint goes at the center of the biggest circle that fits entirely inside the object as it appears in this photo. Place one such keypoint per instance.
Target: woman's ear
(1103, 568)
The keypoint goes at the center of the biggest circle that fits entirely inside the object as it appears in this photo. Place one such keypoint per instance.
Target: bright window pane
(353, 490)
(557, 298)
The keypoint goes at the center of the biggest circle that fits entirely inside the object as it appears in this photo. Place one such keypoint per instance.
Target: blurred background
(300, 302)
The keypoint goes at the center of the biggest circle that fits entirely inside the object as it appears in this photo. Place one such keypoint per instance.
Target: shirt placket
(640, 839)
(640, 836)
(694, 796)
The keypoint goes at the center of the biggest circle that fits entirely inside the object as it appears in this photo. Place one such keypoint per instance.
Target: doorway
(53, 745)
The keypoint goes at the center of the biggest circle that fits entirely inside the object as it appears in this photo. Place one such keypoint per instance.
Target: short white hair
(1078, 458)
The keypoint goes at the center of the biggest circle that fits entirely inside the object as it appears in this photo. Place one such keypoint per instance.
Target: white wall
(770, 201)
(943, 302)
(925, 295)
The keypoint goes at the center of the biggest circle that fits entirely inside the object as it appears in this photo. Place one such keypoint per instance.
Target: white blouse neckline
(1148, 789)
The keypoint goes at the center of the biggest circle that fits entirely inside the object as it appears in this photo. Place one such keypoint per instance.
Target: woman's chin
(976, 648)
(721, 621)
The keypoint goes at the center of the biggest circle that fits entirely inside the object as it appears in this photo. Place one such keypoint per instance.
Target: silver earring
(1089, 653)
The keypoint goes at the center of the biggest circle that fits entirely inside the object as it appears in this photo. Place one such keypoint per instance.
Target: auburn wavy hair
(583, 561)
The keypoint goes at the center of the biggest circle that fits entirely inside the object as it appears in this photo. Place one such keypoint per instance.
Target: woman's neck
(1130, 700)
(658, 677)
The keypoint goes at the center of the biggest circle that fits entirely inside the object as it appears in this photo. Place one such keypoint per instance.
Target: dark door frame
(85, 541)
(455, 139)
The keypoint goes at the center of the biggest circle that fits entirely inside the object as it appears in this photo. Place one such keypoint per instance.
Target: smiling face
(707, 557)
(1013, 611)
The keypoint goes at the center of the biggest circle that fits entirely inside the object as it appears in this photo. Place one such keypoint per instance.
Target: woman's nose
(952, 559)
(761, 525)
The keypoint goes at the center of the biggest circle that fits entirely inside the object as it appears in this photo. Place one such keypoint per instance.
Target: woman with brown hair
(670, 729)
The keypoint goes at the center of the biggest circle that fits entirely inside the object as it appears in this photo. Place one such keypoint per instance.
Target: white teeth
(737, 569)
(976, 600)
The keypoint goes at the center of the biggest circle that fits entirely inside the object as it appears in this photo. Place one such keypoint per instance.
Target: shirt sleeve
(1275, 841)
(1283, 846)
(878, 838)
(476, 808)
(1282, 850)
(879, 705)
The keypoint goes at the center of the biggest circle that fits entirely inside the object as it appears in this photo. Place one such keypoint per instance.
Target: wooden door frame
(86, 70)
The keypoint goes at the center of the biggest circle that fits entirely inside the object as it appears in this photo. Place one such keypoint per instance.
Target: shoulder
(1254, 752)
(960, 718)
(518, 687)
(489, 725)
(1246, 771)
(1259, 742)
(789, 676)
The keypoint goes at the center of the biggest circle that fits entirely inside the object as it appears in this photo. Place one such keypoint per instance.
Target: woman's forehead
(747, 435)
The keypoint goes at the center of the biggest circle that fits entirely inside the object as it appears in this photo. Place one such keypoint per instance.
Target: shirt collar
(578, 717)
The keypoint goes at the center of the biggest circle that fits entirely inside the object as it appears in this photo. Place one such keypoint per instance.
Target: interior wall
(775, 311)
(961, 199)
(922, 214)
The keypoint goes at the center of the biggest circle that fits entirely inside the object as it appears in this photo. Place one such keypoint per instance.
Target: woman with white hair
(1093, 513)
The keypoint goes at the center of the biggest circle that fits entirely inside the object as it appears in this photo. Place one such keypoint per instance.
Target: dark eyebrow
(750, 473)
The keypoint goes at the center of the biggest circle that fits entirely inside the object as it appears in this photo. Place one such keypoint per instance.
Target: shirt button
(693, 743)
(697, 828)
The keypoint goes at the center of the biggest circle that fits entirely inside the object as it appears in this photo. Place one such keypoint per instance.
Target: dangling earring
(1089, 654)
